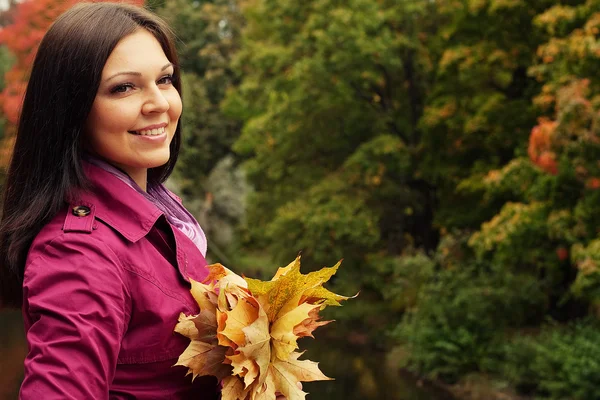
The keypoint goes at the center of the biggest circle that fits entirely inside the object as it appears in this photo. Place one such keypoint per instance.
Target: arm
(76, 307)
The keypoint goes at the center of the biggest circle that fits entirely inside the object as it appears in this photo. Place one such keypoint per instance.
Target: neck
(139, 176)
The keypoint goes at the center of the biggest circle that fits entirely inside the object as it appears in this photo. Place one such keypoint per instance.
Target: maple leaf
(242, 315)
(289, 288)
(217, 272)
(202, 326)
(282, 330)
(285, 375)
(232, 388)
(244, 367)
(258, 343)
(205, 359)
(247, 330)
(204, 295)
(311, 323)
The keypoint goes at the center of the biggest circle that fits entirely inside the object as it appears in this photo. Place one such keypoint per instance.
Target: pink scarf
(174, 211)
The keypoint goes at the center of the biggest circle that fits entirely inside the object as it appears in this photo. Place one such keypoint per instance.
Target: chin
(158, 160)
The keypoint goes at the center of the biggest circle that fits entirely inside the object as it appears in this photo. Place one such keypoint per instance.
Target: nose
(155, 102)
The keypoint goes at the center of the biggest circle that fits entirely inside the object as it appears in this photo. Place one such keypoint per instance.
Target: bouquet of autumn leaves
(247, 330)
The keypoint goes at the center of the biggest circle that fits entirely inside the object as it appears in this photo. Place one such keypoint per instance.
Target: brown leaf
(306, 327)
(204, 359)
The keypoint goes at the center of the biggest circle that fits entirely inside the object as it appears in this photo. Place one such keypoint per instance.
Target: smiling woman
(137, 108)
(96, 251)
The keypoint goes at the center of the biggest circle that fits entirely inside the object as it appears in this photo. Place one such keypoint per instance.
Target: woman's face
(136, 109)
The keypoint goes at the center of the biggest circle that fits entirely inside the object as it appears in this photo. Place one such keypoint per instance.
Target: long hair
(46, 164)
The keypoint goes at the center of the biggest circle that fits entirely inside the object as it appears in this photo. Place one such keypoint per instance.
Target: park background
(447, 150)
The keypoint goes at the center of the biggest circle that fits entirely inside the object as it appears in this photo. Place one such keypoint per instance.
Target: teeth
(151, 132)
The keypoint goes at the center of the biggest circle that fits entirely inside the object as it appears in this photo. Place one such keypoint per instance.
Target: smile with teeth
(150, 132)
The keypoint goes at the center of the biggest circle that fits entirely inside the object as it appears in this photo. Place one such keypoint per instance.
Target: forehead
(136, 52)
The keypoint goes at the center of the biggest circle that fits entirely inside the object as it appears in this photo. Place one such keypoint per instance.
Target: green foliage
(325, 222)
(558, 363)
(330, 95)
(208, 33)
(207, 173)
(399, 279)
(398, 136)
(454, 328)
(479, 110)
(587, 260)
(516, 238)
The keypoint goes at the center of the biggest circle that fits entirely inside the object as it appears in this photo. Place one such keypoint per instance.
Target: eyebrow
(134, 72)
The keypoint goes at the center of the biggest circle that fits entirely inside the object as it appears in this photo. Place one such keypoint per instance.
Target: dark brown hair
(46, 164)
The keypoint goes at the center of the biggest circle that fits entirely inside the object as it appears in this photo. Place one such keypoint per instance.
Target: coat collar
(117, 204)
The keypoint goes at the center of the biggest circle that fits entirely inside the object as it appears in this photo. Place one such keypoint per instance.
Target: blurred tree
(331, 94)
(324, 86)
(479, 111)
(209, 35)
(554, 213)
(207, 172)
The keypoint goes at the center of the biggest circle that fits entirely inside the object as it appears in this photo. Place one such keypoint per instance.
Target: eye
(166, 80)
(122, 88)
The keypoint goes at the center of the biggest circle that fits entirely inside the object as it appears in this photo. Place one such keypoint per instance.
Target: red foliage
(540, 146)
(562, 253)
(593, 183)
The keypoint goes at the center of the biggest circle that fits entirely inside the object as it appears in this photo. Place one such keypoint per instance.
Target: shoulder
(68, 236)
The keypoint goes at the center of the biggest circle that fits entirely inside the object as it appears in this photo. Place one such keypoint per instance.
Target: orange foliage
(593, 183)
(540, 146)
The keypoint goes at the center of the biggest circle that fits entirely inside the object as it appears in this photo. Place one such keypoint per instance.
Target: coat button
(81, 211)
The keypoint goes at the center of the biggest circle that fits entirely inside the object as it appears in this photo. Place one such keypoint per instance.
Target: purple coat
(102, 293)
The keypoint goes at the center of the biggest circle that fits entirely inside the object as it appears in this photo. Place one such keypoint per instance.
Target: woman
(93, 248)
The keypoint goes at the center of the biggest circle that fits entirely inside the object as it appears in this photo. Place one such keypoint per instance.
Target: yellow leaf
(243, 314)
(258, 343)
(282, 330)
(186, 327)
(323, 296)
(221, 321)
(266, 391)
(233, 388)
(286, 291)
(285, 375)
(198, 327)
(204, 296)
(284, 270)
(244, 368)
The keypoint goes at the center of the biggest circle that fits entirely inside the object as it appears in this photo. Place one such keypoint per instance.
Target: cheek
(175, 106)
(107, 117)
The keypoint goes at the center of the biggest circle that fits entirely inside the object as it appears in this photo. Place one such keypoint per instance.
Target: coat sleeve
(76, 310)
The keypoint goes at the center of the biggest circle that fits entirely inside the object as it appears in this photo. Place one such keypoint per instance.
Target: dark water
(360, 374)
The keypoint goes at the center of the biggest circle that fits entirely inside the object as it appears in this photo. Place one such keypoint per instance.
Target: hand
(282, 397)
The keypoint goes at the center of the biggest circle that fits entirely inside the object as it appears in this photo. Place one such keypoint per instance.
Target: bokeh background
(447, 150)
